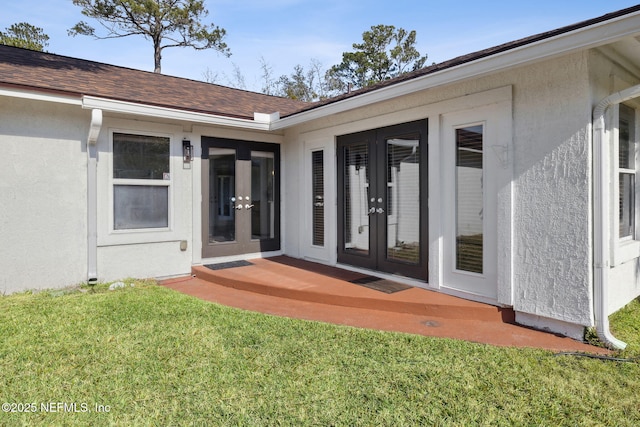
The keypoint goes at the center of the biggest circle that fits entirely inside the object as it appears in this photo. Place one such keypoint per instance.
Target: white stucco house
(507, 176)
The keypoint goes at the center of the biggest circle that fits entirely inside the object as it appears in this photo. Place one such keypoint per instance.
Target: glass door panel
(222, 192)
(262, 204)
(469, 199)
(403, 200)
(356, 199)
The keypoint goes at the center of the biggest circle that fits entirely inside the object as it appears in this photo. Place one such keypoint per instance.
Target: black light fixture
(187, 151)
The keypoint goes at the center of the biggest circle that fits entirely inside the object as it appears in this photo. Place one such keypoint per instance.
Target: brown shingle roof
(45, 71)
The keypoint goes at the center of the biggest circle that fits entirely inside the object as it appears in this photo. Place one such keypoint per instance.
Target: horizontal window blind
(317, 191)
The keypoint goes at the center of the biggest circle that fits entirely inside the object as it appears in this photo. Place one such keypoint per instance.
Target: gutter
(601, 223)
(92, 196)
(261, 122)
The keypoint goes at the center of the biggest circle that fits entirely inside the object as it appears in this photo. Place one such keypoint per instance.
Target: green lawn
(152, 356)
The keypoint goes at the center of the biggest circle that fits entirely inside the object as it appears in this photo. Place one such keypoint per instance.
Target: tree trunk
(157, 56)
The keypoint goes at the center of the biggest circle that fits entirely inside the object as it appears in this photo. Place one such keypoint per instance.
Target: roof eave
(38, 95)
(131, 108)
(260, 121)
(588, 37)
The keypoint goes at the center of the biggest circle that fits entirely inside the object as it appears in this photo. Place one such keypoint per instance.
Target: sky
(286, 33)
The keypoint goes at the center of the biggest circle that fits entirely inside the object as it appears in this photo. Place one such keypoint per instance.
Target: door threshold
(417, 283)
(241, 257)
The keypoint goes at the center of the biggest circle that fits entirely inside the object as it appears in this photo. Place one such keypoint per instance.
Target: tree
(167, 23)
(269, 86)
(385, 52)
(26, 36)
(305, 85)
(299, 85)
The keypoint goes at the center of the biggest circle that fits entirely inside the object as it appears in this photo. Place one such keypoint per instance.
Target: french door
(382, 199)
(240, 197)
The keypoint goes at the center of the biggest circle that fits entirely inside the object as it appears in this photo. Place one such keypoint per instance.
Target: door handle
(372, 210)
(238, 207)
(379, 210)
(247, 206)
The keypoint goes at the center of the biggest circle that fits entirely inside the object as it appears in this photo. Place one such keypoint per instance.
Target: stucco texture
(552, 263)
(42, 195)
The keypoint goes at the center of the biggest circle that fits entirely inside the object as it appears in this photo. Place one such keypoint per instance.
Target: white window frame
(113, 182)
(625, 248)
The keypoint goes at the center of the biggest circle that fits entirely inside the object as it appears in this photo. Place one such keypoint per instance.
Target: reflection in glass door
(382, 193)
(262, 205)
(356, 199)
(222, 164)
(403, 200)
(240, 197)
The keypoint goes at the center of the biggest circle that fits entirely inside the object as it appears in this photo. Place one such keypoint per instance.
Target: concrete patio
(285, 286)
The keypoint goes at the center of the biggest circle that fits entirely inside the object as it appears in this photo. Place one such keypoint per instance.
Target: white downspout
(92, 196)
(601, 224)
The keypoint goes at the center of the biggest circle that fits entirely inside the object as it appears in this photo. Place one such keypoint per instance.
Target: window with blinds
(626, 173)
(317, 192)
(469, 199)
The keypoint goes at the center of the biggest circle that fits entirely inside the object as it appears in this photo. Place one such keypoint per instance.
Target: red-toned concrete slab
(306, 281)
(489, 332)
(299, 289)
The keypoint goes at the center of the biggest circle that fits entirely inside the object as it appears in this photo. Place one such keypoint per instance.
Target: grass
(155, 357)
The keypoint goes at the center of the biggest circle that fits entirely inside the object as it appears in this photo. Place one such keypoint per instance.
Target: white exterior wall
(43, 197)
(43, 194)
(553, 267)
(543, 220)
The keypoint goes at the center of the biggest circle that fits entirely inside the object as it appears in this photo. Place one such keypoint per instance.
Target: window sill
(625, 251)
(139, 236)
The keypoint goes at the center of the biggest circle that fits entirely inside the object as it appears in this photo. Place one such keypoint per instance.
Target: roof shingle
(50, 72)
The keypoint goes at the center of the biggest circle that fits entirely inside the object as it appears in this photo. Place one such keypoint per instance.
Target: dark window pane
(222, 195)
(317, 192)
(262, 192)
(140, 156)
(626, 185)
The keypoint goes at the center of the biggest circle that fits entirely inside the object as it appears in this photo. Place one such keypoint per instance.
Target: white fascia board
(584, 38)
(123, 107)
(40, 96)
